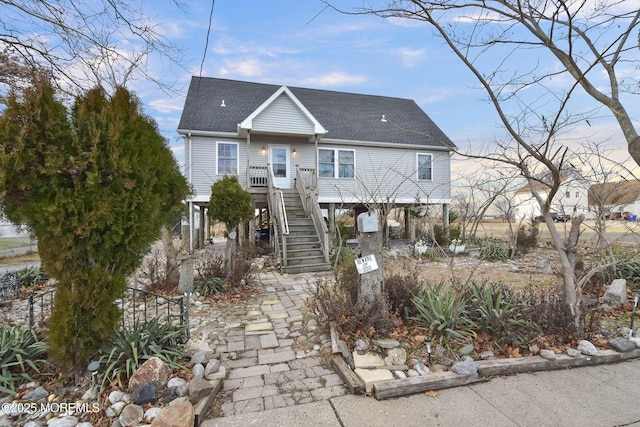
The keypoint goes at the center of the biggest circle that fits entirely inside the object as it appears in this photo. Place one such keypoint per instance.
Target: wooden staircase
(304, 250)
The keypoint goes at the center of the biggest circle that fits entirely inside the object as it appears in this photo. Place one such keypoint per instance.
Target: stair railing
(305, 180)
(276, 204)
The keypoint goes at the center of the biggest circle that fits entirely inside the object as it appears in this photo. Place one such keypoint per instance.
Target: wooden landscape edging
(201, 408)
(490, 368)
(351, 380)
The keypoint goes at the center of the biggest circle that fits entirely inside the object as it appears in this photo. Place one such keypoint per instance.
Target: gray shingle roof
(346, 116)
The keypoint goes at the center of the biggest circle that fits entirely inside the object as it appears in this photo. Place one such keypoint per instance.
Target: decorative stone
(361, 346)
(146, 393)
(175, 382)
(182, 390)
(438, 368)
(67, 421)
(586, 347)
(180, 414)
(635, 341)
(93, 392)
(466, 367)
(371, 376)
(548, 354)
(421, 368)
(115, 409)
(395, 356)
(387, 343)
(212, 367)
(153, 370)
(466, 350)
(151, 413)
(573, 352)
(199, 388)
(400, 374)
(198, 370)
(220, 375)
(203, 357)
(622, 345)
(616, 292)
(116, 396)
(131, 415)
(36, 394)
(412, 373)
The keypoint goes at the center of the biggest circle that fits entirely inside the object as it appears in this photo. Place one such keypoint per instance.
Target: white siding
(388, 173)
(282, 116)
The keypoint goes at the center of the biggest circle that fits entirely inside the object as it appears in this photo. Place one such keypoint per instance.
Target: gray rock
(635, 341)
(361, 346)
(203, 357)
(199, 388)
(412, 373)
(616, 292)
(465, 367)
(421, 368)
(83, 424)
(573, 352)
(115, 409)
(400, 374)
(586, 347)
(68, 421)
(182, 390)
(146, 393)
(151, 413)
(212, 367)
(387, 343)
(624, 331)
(36, 394)
(116, 396)
(466, 350)
(395, 356)
(93, 392)
(622, 345)
(198, 370)
(548, 354)
(131, 415)
(175, 382)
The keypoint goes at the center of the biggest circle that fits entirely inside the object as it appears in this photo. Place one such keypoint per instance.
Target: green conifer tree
(95, 185)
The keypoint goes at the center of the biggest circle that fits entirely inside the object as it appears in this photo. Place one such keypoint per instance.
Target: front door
(279, 159)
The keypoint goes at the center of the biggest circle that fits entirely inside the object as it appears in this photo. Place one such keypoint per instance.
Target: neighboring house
(330, 150)
(571, 199)
(615, 197)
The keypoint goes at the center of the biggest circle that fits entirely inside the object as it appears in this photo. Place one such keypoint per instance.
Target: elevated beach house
(303, 153)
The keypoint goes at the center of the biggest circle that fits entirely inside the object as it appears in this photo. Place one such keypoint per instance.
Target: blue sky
(300, 43)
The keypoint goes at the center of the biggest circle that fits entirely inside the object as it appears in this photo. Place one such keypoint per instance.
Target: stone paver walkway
(270, 350)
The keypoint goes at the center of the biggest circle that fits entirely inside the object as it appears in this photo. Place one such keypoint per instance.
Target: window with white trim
(424, 166)
(336, 163)
(227, 153)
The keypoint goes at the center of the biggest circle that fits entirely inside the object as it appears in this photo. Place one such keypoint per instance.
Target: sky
(303, 43)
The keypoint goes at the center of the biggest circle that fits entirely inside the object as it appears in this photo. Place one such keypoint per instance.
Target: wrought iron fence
(138, 306)
(8, 287)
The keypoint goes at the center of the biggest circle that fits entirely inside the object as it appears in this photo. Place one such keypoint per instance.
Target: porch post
(445, 219)
(202, 227)
(331, 216)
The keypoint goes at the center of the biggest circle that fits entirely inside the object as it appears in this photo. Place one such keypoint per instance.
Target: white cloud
(410, 57)
(335, 78)
(166, 105)
(244, 68)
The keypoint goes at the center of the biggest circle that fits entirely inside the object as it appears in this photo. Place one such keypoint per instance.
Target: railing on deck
(258, 176)
(305, 184)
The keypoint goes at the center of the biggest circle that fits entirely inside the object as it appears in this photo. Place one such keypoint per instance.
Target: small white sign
(366, 264)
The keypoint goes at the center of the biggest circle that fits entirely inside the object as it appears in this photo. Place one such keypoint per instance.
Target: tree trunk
(171, 253)
(229, 250)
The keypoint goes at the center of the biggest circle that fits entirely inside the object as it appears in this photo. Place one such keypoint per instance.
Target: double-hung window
(424, 166)
(336, 163)
(227, 153)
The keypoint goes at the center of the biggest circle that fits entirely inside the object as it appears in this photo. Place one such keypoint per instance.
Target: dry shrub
(400, 289)
(210, 265)
(241, 272)
(333, 303)
(152, 275)
(550, 314)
